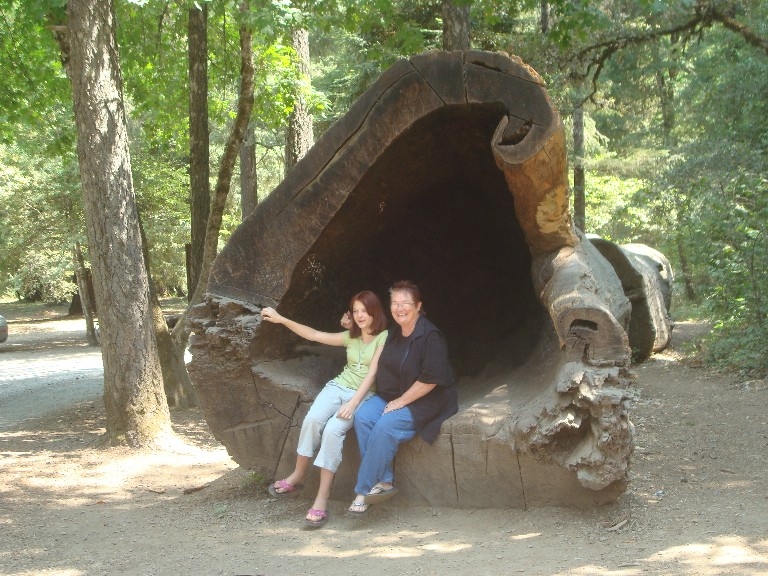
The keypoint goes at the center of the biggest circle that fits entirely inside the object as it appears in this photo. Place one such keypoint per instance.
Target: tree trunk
(579, 196)
(180, 332)
(413, 154)
(84, 284)
(455, 26)
(176, 383)
(136, 410)
(682, 253)
(199, 155)
(249, 182)
(545, 17)
(666, 87)
(299, 134)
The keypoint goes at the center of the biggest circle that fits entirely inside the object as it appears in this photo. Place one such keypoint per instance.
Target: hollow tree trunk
(450, 170)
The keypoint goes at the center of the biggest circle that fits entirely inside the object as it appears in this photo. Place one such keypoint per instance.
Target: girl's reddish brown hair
(374, 309)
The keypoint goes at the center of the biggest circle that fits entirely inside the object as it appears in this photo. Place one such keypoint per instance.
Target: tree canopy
(673, 94)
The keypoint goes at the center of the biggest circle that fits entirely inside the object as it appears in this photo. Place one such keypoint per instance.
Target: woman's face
(404, 310)
(361, 316)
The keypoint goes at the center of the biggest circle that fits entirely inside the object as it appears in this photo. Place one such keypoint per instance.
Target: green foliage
(33, 78)
(40, 216)
(363, 38)
(253, 480)
(160, 181)
(676, 129)
(737, 345)
(44, 276)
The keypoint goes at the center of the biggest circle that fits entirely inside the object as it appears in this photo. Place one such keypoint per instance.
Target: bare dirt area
(697, 503)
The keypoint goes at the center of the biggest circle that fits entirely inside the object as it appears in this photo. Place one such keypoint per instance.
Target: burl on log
(449, 171)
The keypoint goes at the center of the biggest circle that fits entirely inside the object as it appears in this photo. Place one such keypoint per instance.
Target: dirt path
(697, 504)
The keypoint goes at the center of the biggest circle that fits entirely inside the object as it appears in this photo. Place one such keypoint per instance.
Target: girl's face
(361, 317)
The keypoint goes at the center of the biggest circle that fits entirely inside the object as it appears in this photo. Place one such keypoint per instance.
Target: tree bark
(545, 17)
(180, 332)
(666, 86)
(413, 154)
(579, 193)
(179, 391)
(136, 410)
(199, 154)
(249, 182)
(299, 134)
(456, 26)
(84, 283)
(682, 254)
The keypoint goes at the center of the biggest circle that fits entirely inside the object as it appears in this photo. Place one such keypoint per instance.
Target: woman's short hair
(374, 309)
(410, 288)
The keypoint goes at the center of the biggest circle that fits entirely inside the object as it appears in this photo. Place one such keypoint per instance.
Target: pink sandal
(321, 520)
(285, 488)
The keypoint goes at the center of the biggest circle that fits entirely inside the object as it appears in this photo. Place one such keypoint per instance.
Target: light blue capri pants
(322, 431)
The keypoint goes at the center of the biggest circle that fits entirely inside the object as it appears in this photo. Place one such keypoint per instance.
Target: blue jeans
(379, 436)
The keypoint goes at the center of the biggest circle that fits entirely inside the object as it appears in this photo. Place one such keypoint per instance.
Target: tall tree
(544, 16)
(249, 182)
(456, 25)
(579, 173)
(299, 133)
(226, 168)
(199, 140)
(136, 409)
(84, 289)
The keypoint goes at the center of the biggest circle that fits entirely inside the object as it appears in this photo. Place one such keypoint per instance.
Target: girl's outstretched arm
(331, 338)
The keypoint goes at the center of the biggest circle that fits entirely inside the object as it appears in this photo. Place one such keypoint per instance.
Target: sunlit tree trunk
(545, 17)
(456, 26)
(299, 134)
(136, 409)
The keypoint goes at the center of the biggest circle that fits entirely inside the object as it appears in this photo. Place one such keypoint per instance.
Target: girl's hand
(346, 321)
(271, 315)
(346, 411)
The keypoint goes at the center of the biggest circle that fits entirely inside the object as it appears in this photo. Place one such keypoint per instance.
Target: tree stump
(449, 171)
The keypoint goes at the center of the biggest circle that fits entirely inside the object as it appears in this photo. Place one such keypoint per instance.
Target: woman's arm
(347, 410)
(330, 338)
(416, 391)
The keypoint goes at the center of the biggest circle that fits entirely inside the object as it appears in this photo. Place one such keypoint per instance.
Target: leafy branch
(705, 15)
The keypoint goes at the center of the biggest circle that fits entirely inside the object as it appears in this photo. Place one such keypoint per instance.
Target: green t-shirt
(359, 357)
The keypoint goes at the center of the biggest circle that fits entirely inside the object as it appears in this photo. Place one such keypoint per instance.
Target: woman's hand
(271, 315)
(395, 404)
(346, 321)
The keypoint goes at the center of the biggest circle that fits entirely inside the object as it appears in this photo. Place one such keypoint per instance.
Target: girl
(331, 414)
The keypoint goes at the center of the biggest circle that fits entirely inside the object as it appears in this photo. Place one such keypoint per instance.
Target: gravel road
(45, 366)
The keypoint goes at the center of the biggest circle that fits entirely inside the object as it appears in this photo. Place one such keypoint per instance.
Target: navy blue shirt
(423, 357)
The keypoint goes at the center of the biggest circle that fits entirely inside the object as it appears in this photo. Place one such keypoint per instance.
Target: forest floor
(697, 502)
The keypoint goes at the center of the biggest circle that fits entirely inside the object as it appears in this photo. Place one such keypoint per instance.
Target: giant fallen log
(449, 171)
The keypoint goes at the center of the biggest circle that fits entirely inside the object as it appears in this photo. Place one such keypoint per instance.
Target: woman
(415, 393)
(331, 414)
